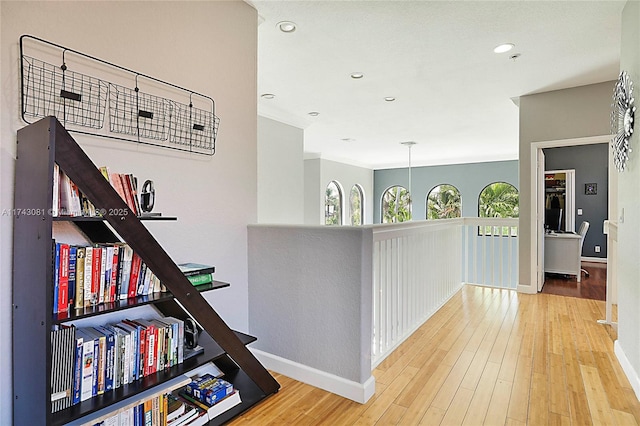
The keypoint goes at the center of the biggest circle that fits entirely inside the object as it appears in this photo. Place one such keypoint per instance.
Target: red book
(96, 272)
(114, 274)
(63, 279)
(128, 192)
(136, 263)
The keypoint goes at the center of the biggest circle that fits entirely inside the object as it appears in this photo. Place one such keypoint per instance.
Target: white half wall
(209, 47)
(280, 172)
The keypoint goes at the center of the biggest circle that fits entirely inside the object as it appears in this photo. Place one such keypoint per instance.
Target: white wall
(209, 47)
(628, 344)
(319, 173)
(562, 114)
(280, 172)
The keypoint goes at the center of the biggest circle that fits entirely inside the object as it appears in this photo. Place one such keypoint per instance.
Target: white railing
(490, 252)
(418, 266)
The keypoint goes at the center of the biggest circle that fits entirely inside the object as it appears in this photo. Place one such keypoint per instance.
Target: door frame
(537, 172)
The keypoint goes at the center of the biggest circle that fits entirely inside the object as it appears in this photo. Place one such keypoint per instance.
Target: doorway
(538, 202)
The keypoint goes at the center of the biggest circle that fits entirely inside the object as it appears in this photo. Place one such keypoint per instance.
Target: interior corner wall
(280, 172)
(208, 47)
(628, 212)
(470, 179)
(319, 173)
(562, 114)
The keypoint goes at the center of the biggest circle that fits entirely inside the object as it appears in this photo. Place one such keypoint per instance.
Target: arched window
(396, 205)
(333, 204)
(498, 199)
(356, 202)
(444, 202)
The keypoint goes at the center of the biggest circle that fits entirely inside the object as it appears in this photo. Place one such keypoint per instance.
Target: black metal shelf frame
(82, 103)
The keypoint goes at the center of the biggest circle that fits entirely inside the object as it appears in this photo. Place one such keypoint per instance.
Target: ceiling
(455, 97)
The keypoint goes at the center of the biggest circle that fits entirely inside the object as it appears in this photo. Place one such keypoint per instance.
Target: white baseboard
(631, 374)
(358, 392)
(593, 259)
(527, 289)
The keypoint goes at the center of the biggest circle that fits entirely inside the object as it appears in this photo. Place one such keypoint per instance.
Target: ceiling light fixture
(389, 99)
(267, 96)
(357, 75)
(286, 26)
(505, 47)
(314, 113)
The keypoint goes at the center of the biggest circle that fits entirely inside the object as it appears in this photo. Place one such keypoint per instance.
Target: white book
(88, 273)
(107, 273)
(125, 271)
(86, 384)
(103, 268)
(55, 204)
(224, 405)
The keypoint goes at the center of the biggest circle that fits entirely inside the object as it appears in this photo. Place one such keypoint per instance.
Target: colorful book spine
(88, 273)
(56, 275)
(79, 299)
(96, 274)
(73, 251)
(63, 282)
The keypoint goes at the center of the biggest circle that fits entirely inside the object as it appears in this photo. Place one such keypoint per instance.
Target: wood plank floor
(488, 357)
(593, 286)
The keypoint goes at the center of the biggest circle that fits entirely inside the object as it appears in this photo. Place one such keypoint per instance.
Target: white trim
(526, 289)
(533, 164)
(358, 392)
(627, 368)
(593, 259)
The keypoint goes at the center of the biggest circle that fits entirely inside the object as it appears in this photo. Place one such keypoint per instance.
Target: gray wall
(319, 173)
(310, 296)
(470, 179)
(562, 114)
(280, 172)
(629, 203)
(591, 163)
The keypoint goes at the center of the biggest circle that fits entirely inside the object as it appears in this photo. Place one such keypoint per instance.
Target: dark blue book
(77, 369)
(110, 348)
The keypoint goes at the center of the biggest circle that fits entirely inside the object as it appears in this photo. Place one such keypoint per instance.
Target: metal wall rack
(83, 102)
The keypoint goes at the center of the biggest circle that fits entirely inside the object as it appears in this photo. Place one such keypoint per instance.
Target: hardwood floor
(592, 287)
(488, 357)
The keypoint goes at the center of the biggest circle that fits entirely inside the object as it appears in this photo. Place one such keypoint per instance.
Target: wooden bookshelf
(40, 145)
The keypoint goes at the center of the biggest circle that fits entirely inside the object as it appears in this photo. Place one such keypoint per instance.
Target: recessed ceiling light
(504, 47)
(286, 26)
(357, 75)
(514, 56)
(268, 96)
(314, 113)
(389, 99)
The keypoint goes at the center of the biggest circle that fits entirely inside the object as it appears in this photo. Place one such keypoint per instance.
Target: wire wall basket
(133, 112)
(79, 101)
(72, 97)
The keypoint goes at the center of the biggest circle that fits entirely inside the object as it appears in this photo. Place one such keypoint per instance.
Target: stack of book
(197, 273)
(69, 201)
(90, 361)
(208, 393)
(102, 273)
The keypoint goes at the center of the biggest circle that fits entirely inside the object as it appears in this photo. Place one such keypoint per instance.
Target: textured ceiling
(455, 97)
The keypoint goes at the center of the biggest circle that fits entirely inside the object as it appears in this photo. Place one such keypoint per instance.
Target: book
(73, 252)
(196, 269)
(88, 273)
(86, 384)
(200, 279)
(63, 280)
(77, 367)
(56, 275)
(96, 275)
(175, 407)
(110, 348)
(225, 404)
(62, 367)
(79, 298)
